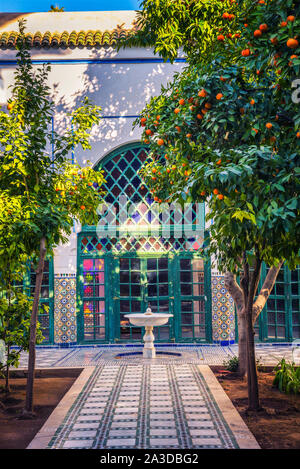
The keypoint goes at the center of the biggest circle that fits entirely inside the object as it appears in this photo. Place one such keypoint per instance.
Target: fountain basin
(143, 320)
(148, 321)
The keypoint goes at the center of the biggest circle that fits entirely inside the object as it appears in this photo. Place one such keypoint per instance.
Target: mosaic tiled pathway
(123, 401)
(147, 406)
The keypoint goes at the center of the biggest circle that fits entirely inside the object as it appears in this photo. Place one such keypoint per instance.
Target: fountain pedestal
(148, 320)
(149, 349)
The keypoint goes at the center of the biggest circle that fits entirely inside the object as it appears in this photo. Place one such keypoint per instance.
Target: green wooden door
(114, 286)
(143, 282)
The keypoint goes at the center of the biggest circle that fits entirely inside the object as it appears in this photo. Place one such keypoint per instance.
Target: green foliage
(15, 312)
(231, 364)
(44, 191)
(41, 191)
(226, 132)
(287, 377)
(56, 8)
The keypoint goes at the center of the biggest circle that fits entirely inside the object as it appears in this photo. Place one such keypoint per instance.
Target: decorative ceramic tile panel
(144, 406)
(65, 329)
(223, 314)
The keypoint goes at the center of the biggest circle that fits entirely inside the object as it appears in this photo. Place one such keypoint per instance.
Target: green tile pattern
(144, 406)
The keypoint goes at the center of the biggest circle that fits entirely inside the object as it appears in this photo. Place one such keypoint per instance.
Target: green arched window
(144, 255)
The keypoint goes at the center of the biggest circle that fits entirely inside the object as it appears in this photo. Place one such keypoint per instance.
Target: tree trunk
(253, 279)
(7, 387)
(236, 292)
(252, 381)
(242, 343)
(28, 411)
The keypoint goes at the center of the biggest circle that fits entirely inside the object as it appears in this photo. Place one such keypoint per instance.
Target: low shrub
(231, 364)
(287, 377)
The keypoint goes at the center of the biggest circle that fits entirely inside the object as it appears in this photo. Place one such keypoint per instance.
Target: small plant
(231, 364)
(287, 377)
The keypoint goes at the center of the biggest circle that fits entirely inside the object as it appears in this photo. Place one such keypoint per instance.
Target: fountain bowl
(143, 320)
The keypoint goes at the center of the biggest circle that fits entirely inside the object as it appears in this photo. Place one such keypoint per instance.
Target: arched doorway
(144, 255)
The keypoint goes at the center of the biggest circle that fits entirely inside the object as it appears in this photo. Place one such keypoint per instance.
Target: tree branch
(265, 291)
(234, 289)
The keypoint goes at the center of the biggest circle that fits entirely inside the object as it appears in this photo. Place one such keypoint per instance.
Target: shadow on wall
(121, 89)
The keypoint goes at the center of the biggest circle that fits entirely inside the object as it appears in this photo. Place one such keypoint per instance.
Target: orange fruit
(283, 24)
(158, 117)
(199, 116)
(298, 134)
(221, 196)
(202, 193)
(181, 101)
(202, 93)
(219, 96)
(263, 27)
(207, 105)
(160, 142)
(10, 106)
(176, 110)
(257, 33)
(82, 207)
(188, 135)
(148, 132)
(292, 43)
(274, 40)
(246, 52)
(219, 162)
(221, 37)
(215, 191)
(252, 102)
(153, 170)
(290, 18)
(178, 128)
(143, 119)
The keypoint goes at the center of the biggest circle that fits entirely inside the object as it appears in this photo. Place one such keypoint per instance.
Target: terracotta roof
(65, 39)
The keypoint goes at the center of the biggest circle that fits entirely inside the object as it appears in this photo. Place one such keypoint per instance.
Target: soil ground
(49, 388)
(277, 426)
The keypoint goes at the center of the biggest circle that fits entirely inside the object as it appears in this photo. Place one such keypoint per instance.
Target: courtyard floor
(122, 401)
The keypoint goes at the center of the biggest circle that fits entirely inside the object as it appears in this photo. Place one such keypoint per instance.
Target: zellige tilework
(144, 406)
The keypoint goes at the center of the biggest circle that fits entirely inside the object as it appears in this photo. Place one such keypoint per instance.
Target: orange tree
(41, 191)
(226, 131)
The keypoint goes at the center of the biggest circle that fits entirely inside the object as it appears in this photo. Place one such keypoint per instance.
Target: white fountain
(148, 320)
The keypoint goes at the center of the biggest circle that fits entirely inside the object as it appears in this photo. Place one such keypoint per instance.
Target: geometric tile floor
(193, 354)
(144, 406)
(125, 402)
